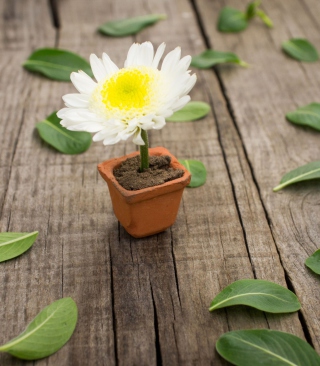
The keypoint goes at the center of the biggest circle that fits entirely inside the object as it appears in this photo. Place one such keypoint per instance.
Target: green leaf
(210, 58)
(304, 172)
(266, 347)
(191, 112)
(232, 20)
(197, 170)
(300, 49)
(126, 27)
(264, 17)
(14, 244)
(65, 141)
(252, 9)
(47, 333)
(313, 262)
(308, 115)
(260, 294)
(56, 64)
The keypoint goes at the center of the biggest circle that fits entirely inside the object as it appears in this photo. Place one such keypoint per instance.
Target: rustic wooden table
(145, 301)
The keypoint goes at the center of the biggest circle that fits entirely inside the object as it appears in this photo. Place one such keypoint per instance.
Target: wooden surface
(145, 301)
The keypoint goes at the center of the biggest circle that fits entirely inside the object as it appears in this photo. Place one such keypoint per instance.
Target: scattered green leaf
(313, 262)
(126, 27)
(210, 58)
(252, 9)
(300, 49)
(14, 244)
(264, 17)
(266, 347)
(260, 294)
(308, 115)
(197, 170)
(47, 333)
(304, 172)
(232, 20)
(191, 112)
(56, 64)
(65, 141)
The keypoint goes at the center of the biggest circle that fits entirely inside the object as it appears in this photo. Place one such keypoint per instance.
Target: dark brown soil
(129, 176)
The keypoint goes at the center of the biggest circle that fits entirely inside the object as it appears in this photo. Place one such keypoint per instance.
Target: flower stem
(144, 151)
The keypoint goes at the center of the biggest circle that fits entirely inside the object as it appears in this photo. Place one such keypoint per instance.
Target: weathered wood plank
(259, 97)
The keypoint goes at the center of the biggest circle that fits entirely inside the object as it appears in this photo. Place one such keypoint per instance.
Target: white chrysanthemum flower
(124, 101)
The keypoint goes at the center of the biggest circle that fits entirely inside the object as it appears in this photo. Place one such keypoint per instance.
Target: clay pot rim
(106, 170)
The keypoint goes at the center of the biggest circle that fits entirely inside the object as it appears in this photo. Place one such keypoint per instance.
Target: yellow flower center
(127, 89)
(129, 93)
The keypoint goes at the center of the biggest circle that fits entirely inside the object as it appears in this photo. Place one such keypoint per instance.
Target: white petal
(98, 69)
(83, 83)
(159, 122)
(111, 140)
(79, 115)
(109, 65)
(190, 84)
(86, 126)
(185, 62)
(131, 55)
(158, 55)
(181, 103)
(137, 139)
(76, 100)
(145, 54)
(171, 60)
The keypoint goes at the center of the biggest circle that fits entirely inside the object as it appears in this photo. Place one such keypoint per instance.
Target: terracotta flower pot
(150, 210)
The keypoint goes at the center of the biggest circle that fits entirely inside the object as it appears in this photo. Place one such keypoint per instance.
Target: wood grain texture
(141, 301)
(259, 99)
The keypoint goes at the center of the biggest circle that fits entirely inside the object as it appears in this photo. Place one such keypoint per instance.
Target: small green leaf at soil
(308, 115)
(47, 333)
(304, 172)
(260, 294)
(232, 20)
(14, 244)
(197, 170)
(129, 26)
(313, 262)
(191, 112)
(300, 49)
(65, 141)
(266, 347)
(210, 58)
(56, 64)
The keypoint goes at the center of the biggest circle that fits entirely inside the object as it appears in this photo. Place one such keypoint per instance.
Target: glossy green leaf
(313, 262)
(232, 20)
(304, 172)
(300, 49)
(308, 115)
(191, 112)
(252, 9)
(210, 58)
(266, 347)
(197, 170)
(47, 333)
(56, 64)
(14, 244)
(260, 294)
(126, 27)
(65, 141)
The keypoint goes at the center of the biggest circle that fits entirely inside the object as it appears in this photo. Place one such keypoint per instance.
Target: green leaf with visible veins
(47, 333)
(313, 262)
(65, 141)
(300, 49)
(304, 172)
(210, 58)
(260, 294)
(266, 347)
(14, 244)
(129, 26)
(308, 115)
(56, 64)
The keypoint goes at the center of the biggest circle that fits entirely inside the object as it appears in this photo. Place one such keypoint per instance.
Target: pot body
(150, 210)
